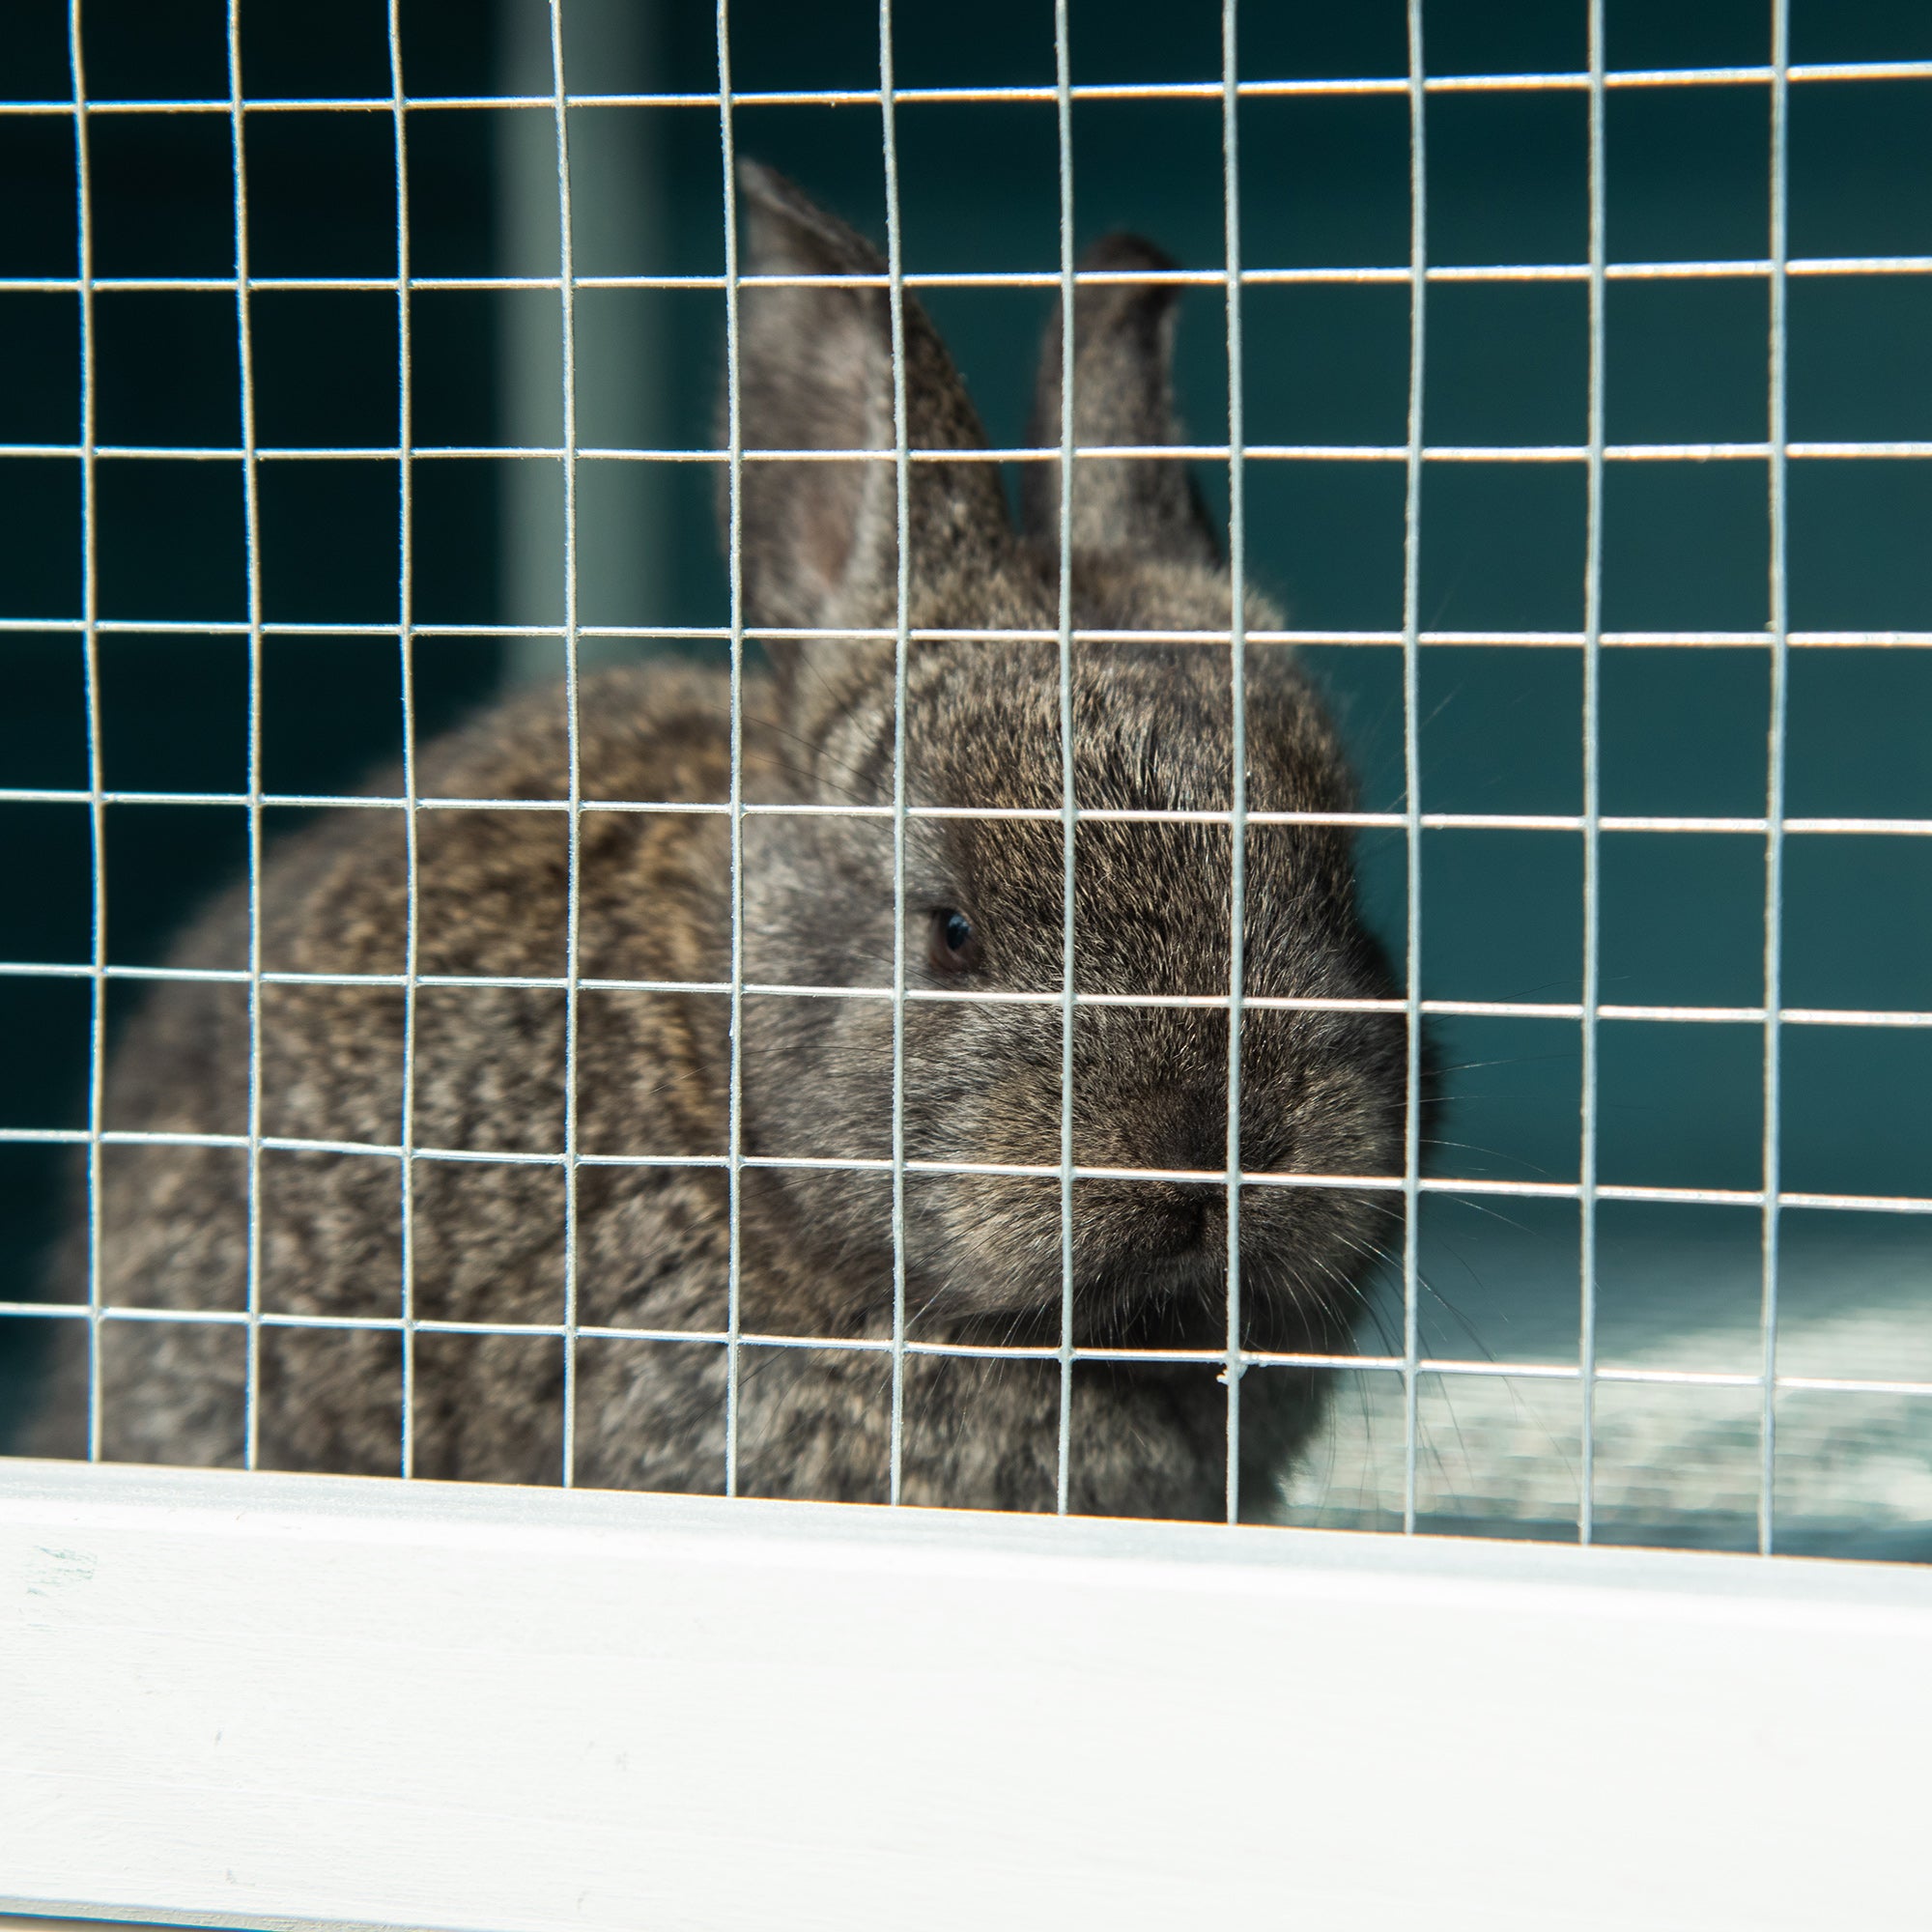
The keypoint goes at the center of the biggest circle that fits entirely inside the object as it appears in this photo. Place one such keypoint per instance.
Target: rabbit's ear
(820, 539)
(1122, 394)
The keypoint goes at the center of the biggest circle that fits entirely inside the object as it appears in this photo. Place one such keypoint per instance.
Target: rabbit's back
(488, 1064)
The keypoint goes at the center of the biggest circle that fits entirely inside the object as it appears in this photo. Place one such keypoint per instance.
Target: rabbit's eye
(955, 948)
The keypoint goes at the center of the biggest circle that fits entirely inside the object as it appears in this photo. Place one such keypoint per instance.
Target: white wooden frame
(254, 1700)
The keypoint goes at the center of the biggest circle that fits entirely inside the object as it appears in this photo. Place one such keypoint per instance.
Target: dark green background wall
(1324, 182)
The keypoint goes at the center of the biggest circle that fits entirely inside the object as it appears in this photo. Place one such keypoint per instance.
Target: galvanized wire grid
(1769, 1198)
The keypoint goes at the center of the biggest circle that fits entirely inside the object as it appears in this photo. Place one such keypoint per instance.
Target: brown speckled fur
(1153, 728)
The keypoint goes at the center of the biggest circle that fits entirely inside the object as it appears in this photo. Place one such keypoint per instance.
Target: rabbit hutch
(965, 968)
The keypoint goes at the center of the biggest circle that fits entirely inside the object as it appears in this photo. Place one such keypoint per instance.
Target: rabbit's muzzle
(1150, 1197)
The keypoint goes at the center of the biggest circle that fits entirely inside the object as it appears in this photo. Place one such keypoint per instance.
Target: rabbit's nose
(1189, 1130)
(1184, 1220)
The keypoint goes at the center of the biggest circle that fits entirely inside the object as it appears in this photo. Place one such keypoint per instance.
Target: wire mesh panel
(1540, 1301)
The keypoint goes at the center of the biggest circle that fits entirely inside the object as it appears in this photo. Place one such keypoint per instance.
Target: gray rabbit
(1321, 1092)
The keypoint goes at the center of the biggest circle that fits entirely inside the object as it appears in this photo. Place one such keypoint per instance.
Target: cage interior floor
(1674, 1461)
